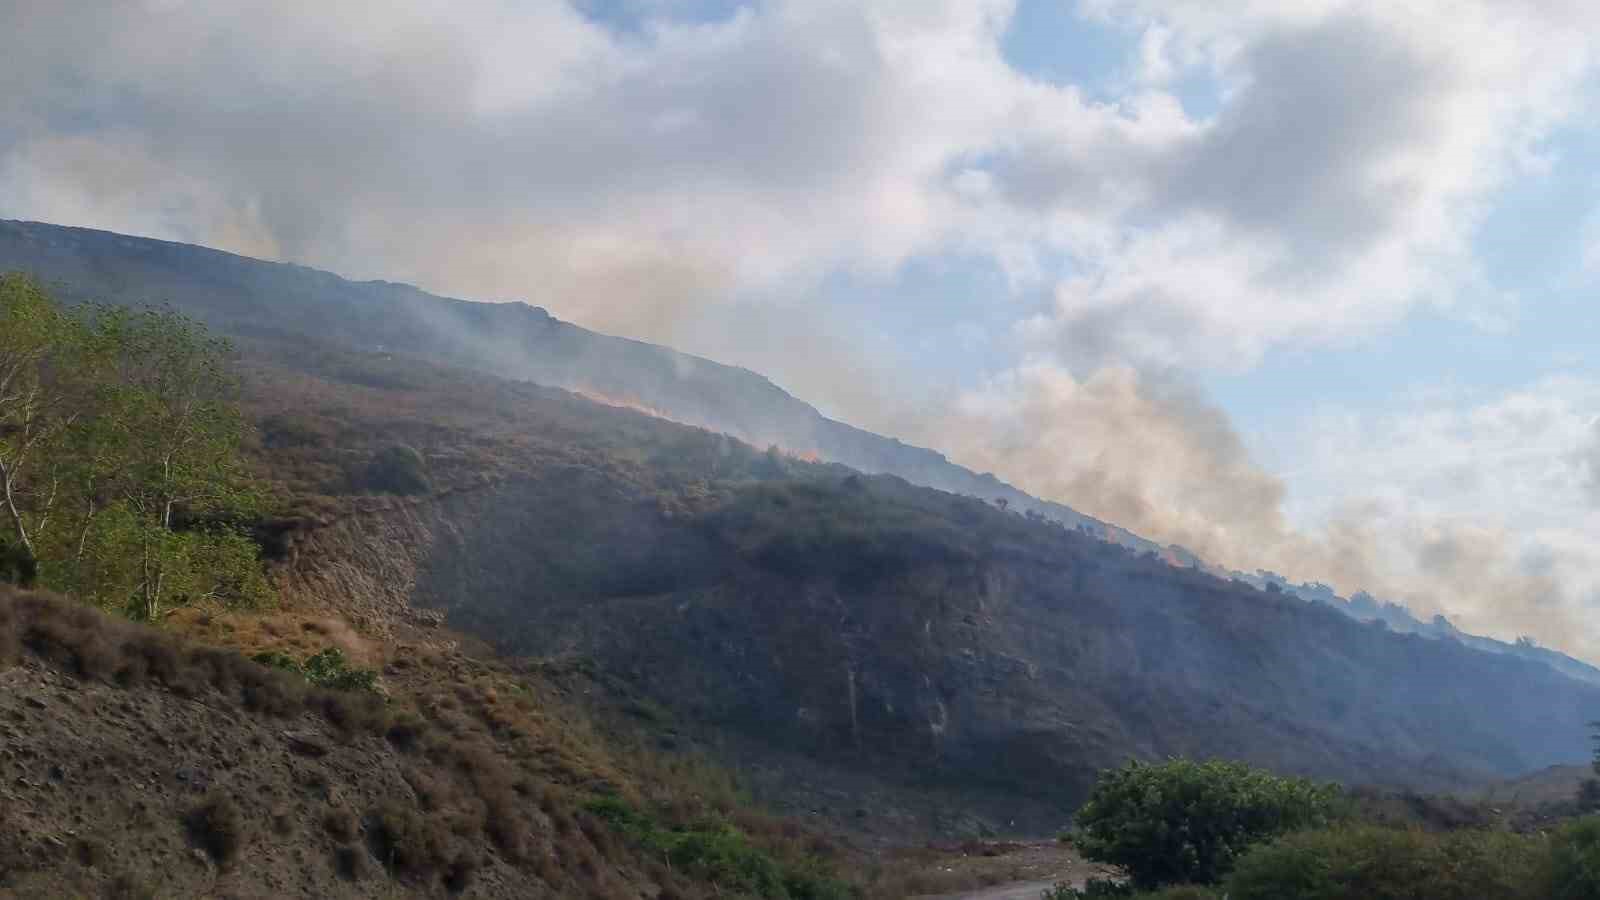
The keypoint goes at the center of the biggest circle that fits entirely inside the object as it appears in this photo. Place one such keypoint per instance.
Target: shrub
(1185, 822)
(717, 852)
(327, 669)
(408, 844)
(1574, 861)
(1364, 861)
(341, 824)
(217, 826)
(398, 470)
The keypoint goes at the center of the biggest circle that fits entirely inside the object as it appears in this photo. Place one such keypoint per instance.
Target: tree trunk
(18, 525)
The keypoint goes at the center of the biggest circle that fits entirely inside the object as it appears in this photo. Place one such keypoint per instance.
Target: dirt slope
(133, 764)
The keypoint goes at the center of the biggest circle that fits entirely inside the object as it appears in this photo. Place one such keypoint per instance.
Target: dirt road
(1014, 871)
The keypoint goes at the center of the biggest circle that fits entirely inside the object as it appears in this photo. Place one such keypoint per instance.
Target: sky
(1298, 285)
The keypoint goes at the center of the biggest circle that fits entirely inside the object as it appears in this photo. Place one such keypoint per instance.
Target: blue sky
(1298, 285)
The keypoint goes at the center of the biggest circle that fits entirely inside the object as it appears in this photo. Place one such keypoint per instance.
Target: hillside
(253, 299)
(138, 764)
(830, 628)
(907, 659)
(270, 302)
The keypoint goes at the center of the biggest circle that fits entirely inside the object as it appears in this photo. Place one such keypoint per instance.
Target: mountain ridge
(520, 340)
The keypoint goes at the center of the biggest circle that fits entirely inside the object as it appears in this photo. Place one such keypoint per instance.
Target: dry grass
(500, 764)
(218, 827)
(299, 633)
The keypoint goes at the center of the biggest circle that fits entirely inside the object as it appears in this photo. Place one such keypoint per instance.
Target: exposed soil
(992, 870)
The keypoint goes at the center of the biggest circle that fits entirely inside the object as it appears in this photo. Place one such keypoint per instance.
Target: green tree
(1573, 870)
(38, 357)
(164, 443)
(1589, 789)
(120, 467)
(1182, 821)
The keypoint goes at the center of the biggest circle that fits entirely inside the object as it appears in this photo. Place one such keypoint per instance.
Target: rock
(306, 744)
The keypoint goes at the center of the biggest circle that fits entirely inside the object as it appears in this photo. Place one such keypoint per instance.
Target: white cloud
(1337, 188)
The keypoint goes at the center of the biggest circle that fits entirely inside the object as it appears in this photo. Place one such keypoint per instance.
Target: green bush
(1186, 822)
(1573, 864)
(1364, 862)
(718, 853)
(327, 669)
(398, 470)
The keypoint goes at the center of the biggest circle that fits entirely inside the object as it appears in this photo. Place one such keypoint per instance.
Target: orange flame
(605, 399)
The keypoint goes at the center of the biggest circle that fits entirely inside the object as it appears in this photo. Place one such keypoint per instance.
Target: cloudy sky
(1304, 285)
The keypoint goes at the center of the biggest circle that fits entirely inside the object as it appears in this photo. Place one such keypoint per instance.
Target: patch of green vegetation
(327, 669)
(1183, 830)
(1367, 861)
(120, 446)
(398, 470)
(1182, 821)
(717, 852)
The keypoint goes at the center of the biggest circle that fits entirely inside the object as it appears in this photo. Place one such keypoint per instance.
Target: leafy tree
(1183, 821)
(120, 458)
(38, 357)
(1589, 789)
(168, 434)
(1573, 869)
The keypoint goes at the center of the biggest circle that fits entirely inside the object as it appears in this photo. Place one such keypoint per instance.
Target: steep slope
(1000, 657)
(255, 299)
(135, 764)
(251, 298)
(259, 300)
(804, 612)
(856, 622)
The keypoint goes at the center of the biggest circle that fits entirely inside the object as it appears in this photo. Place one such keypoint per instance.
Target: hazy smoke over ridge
(1152, 455)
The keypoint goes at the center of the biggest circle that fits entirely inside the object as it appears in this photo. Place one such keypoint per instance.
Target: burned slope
(889, 627)
(861, 622)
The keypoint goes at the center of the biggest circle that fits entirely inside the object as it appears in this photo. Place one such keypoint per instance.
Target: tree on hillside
(1589, 788)
(168, 434)
(38, 356)
(1186, 822)
(136, 503)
